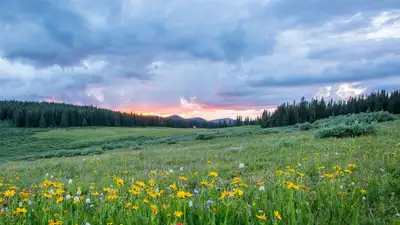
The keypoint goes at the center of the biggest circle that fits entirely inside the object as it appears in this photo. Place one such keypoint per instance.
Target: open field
(286, 178)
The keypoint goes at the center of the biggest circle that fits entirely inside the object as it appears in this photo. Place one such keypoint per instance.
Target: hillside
(195, 175)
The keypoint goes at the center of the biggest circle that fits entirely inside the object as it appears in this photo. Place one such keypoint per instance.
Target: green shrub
(306, 126)
(368, 118)
(344, 130)
(204, 137)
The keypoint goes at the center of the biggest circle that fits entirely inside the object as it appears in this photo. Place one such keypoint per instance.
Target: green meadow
(244, 175)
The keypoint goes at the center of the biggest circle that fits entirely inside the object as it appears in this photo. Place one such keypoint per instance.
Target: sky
(196, 58)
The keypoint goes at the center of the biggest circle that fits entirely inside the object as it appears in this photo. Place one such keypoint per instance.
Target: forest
(309, 111)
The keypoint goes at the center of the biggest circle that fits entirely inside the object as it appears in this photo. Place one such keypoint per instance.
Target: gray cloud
(142, 53)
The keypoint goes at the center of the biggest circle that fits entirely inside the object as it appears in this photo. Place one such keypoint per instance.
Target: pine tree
(64, 120)
(84, 123)
(42, 122)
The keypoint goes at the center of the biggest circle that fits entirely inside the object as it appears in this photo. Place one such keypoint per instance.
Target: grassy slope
(263, 154)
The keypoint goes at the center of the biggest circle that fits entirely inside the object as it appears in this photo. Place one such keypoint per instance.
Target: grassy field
(278, 178)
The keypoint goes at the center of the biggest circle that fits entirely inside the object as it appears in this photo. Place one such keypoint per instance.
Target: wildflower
(341, 187)
(154, 208)
(352, 166)
(178, 214)
(205, 183)
(195, 172)
(209, 162)
(95, 193)
(238, 192)
(20, 211)
(133, 180)
(181, 169)
(241, 166)
(262, 188)
(135, 207)
(209, 202)
(152, 183)
(153, 171)
(91, 188)
(70, 181)
(171, 171)
(76, 199)
(145, 201)
(68, 197)
(20, 204)
(182, 178)
(363, 198)
(363, 191)
(195, 191)
(262, 217)
(87, 223)
(59, 200)
(190, 204)
(226, 194)
(291, 185)
(213, 174)
(347, 171)
(87, 201)
(79, 192)
(277, 215)
(9, 193)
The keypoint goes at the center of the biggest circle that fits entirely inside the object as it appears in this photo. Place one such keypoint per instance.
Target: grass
(289, 177)
(96, 134)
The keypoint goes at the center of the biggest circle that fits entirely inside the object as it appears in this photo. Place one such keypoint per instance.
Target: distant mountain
(227, 120)
(176, 117)
(198, 119)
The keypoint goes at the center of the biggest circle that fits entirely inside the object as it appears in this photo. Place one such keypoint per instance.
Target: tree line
(49, 114)
(310, 111)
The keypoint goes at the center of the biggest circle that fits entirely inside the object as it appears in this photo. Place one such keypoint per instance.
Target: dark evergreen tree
(64, 120)
(84, 123)
(42, 122)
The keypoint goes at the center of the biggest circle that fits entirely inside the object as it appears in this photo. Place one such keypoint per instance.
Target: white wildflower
(20, 204)
(181, 169)
(70, 181)
(241, 165)
(190, 204)
(133, 180)
(51, 191)
(262, 188)
(47, 174)
(76, 199)
(87, 201)
(341, 187)
(363, 198)
(79, 192)
(171, 171)
(68, 197)
(51, 177)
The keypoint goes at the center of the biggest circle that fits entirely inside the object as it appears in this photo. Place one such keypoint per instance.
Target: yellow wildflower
(277, 215)
(20, 211)
(178, 214)
(154, 208)
(182, 178)
(153, 171)
(213, 174)
(352, 166)
(262, 217)
(363, 191)
(59, 200)
(9, 193)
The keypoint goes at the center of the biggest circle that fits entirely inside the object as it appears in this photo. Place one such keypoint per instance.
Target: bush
(306, 126)
(204, 137)
(344, 130)
(368, 118)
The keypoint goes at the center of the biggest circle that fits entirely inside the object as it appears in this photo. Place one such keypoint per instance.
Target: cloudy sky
(209, 58)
